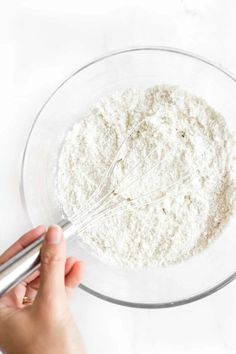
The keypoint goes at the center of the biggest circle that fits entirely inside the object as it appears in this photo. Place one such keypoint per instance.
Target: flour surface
(182, 149)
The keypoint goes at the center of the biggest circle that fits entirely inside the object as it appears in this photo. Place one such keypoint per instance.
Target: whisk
(106, 201)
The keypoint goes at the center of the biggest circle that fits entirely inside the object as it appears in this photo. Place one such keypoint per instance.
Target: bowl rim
(105, 56)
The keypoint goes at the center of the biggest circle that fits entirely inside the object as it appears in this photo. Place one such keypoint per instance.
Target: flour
(182, 148)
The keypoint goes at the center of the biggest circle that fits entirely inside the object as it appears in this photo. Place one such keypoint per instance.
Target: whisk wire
(105, 178)
(99, 206)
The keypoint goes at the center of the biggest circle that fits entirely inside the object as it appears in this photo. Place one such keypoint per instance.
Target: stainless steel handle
(26, 261)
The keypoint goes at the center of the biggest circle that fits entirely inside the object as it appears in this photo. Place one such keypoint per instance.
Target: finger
(33, 285)
(70, 261)
(32, 289)
(52, 271)
(31, 277)
(73, 278)
(24, 241)
(33, 281)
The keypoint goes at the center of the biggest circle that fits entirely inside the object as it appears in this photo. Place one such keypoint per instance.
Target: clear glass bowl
(138, 67)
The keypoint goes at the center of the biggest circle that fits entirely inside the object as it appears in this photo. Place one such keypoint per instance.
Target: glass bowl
(137, 67)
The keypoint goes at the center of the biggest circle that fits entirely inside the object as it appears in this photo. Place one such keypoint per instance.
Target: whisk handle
(27, 261)
(20, 266)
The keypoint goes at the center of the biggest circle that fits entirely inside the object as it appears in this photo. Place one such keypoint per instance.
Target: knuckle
(48, 258)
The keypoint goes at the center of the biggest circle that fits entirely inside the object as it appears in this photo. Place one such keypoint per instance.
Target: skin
(45, 326)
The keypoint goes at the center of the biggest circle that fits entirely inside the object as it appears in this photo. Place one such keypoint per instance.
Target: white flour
(191, 190)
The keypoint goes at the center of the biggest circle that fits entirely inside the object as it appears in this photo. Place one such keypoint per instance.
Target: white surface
(41, 43)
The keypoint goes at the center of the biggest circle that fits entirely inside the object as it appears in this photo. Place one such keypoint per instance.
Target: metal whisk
(106, 201)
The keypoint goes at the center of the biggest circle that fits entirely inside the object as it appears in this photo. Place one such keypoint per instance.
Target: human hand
(45, 325)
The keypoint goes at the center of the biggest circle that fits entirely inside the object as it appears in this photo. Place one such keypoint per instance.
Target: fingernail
(54, 234)
(40, 229)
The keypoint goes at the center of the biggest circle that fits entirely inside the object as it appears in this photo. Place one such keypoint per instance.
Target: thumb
(52, 271)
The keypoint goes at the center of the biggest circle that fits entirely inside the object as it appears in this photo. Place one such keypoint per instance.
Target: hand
(45, 325)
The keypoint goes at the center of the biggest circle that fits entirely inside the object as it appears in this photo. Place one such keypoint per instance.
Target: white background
(43, 41)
